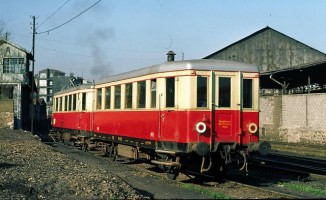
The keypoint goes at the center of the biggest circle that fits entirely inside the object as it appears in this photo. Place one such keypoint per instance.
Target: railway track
(312, 166)
(250, 189)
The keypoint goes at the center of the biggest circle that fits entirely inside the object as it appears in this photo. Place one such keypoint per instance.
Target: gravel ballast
(32, 170)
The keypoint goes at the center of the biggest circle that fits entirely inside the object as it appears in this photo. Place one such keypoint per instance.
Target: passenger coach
(190, 114)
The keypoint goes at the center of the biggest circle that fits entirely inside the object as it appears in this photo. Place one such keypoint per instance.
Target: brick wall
(293, 118)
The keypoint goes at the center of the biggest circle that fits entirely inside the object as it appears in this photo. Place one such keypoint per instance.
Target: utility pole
(32, 81)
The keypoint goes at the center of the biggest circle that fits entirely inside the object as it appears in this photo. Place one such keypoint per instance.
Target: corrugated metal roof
(302, 66)
(206, 64)
(254, 34)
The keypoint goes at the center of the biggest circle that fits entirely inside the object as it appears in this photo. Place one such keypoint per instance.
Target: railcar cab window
(99, 99)
(153, 93)
(170, 92)
(117, 97)
(141, 94)
(201, 92)
(224, 92)
(247, 93)
(108, 98)
(128, 96)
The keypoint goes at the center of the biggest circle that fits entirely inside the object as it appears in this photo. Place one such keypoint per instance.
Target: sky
(98, 38)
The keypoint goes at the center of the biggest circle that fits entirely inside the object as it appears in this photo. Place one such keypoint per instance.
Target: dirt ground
(31, 169)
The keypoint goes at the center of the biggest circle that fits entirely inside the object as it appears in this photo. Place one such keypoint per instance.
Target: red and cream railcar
(72, 112)
(197, 112)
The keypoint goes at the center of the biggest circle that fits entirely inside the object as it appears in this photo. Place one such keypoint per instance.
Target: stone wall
(7, 120)
(7, 113)
(293, 118)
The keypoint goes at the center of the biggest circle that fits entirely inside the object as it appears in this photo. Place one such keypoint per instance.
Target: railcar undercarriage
(171, 162)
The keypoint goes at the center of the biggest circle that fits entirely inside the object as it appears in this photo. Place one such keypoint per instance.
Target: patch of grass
(207, 192)
(305, 188)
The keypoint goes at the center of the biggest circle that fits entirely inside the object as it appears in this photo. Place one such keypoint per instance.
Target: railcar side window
(99, 99)
(108, 98)
(117, 97)
(56, 104)
(141, 94)
(83, 101)
(74, 102)
(224, 94)
(170, 92)
(247, 93)
(66, 103)
(201, 91)
(153, 93)
(60, 104)
(128, 96)
(70, 103)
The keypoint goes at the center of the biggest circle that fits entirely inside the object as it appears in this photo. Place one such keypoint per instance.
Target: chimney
(170, 55)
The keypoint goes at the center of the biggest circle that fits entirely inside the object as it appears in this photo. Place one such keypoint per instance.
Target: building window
(43, 75)
(42, 91)
(13, 65)
(42, 83)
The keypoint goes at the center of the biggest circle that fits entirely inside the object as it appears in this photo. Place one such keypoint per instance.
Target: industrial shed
(278, 55)
(293, 86)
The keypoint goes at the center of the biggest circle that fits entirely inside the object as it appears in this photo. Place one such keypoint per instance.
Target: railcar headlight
(201, 127)
(252, 128)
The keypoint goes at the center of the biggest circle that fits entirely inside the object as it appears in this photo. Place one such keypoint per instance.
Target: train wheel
(218, 168)
(242, 161)
(105, 150)
(172, 172)
(113, 152)
(65, 137)
(85, 147)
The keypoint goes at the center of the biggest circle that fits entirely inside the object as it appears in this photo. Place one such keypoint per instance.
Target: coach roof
(76, 88)
(203, 64)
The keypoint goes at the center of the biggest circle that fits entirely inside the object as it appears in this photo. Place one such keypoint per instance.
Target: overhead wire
(53, 14)
(70, 19)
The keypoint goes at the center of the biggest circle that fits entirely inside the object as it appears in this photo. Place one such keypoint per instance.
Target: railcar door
(227, 105)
